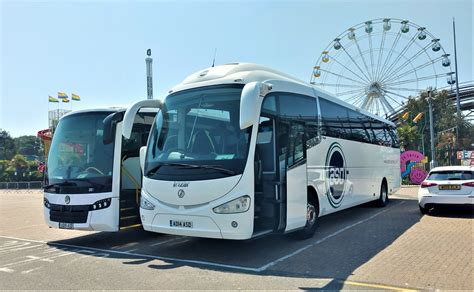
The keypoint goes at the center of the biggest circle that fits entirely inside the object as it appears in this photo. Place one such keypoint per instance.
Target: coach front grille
(68, 213)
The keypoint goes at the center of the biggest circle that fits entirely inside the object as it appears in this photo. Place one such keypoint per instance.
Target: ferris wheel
(378, 64)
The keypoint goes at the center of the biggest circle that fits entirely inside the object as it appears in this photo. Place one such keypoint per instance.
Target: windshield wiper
(154, 169)
(61, 184)
(221, 169)
(185, 165)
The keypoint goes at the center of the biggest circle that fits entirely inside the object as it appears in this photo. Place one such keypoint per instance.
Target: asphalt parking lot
(392, 248)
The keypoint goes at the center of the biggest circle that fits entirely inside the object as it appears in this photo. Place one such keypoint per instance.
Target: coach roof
(234, 73)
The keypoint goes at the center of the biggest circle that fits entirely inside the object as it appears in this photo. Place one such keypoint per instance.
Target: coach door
(269, 200)
(280, 176)
(280, 162)
(296, 177)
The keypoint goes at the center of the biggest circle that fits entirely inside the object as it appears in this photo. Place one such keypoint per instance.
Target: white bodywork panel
(367, 165)
(296, 202)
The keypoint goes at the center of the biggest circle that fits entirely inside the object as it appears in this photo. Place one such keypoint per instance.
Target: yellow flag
(75, 97)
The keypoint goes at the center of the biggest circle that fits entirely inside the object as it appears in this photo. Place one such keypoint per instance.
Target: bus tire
(311, 219)
(424, 210)
(383, 198)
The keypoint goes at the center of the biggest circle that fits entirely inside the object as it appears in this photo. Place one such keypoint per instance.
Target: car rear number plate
(182, 224)
(449, 187)
(66, 225)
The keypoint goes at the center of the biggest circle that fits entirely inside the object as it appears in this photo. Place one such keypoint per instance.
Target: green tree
(28, 145)
(7, 145)
(408, 136)
(412, 135)
(21, 167)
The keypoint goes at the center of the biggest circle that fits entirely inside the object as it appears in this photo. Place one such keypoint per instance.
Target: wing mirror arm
(129, 116)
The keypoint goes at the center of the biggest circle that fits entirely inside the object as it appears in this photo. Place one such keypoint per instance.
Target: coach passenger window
(296, 149)
(265, 144)
(312, 136)
(334, 119)
(269, 105)
(295, 106)
(393, 135)
(360, 124)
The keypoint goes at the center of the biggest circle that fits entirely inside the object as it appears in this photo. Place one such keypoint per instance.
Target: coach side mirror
(129, 117)
(110, 125)
(250, 102)
(142, 158)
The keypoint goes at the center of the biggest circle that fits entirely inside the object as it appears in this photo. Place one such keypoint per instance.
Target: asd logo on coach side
(336, 175)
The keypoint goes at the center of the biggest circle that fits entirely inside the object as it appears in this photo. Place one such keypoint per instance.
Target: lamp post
(149, 75)
(430, 105)
(458, 101)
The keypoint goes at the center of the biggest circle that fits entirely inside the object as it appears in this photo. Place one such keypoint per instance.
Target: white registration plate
(66, 225)
(449, 187)
(181, 224)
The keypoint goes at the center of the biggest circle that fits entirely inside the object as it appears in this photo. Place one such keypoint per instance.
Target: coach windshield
(197, 136)
(79, 162)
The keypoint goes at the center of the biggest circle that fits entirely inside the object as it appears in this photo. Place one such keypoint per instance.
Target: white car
(448, 185)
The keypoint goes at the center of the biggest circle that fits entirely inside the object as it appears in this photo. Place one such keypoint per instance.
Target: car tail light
(426, 184)
(469, 184)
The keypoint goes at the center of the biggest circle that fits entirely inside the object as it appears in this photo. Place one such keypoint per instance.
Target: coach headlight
(46, 203)
(238, 205)
(145, 204)
(101, 204)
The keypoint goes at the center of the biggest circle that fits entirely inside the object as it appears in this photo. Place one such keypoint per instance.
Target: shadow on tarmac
(461, 212)
(330, 254)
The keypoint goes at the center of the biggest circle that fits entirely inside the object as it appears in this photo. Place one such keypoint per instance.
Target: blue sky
(97, 49)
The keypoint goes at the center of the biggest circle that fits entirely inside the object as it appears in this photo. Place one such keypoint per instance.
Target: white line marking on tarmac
(205, 263)
(9, 242)
(15, 246)
(179, 242)
(129, 244)
(166, 241)
(7, 270)
(31, 270)
(20, 248)
(263, 268)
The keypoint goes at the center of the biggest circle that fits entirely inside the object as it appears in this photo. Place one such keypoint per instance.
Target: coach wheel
(424, 210)
(383, 198)
(312, 214)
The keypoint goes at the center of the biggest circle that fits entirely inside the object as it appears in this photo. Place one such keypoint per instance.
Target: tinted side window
(311, 131)
(293, 106)
(139, 135)
(379, 133)
(296, 144)
(335, 120)
(269, 105)
(266, 148)
(360, 127)
(393, 134)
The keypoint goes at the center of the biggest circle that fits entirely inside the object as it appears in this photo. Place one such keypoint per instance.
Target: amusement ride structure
(378, 64)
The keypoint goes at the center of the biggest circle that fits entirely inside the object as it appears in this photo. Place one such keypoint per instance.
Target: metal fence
(21, 185)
